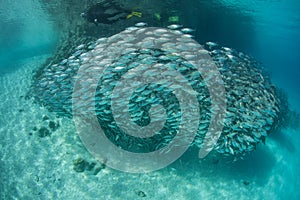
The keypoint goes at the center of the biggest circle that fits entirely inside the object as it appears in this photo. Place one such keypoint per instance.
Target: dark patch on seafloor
(53, 126)
(81, 165)
(245, 182)
(43, 132)
(140, 193)
(46, 127)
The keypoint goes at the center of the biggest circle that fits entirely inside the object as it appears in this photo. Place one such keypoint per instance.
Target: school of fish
(252, 107)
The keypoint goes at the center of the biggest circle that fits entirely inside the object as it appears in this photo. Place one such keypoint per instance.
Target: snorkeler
(107, 13)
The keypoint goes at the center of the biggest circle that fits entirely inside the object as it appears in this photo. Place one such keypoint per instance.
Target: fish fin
(133, 13)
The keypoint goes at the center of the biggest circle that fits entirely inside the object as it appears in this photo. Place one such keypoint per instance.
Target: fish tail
(134, 13)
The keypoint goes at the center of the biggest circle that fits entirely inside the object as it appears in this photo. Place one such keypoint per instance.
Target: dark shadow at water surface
(216, 22)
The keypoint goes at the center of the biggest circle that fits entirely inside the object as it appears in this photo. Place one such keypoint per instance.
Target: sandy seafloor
(42, 168)
(32, 167)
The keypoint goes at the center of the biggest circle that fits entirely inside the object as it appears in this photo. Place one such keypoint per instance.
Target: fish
(174, 26)
(187, 30)
(141, 24)
(211, 44)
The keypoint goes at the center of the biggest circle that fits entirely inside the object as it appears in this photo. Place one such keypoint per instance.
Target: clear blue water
(268, 30)
(26, 31)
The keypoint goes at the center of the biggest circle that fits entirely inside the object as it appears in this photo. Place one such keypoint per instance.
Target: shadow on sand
(257, 166)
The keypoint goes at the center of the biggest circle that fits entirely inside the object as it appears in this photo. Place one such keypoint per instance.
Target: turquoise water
(42, 165)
